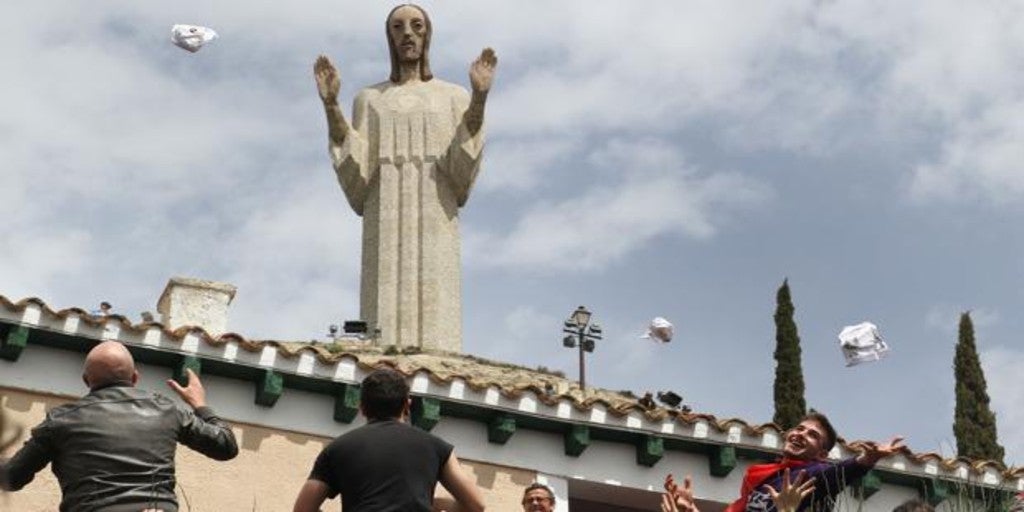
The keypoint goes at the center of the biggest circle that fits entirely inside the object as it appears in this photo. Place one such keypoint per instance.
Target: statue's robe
(407, 166)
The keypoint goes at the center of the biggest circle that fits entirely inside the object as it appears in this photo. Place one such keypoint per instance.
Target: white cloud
(518, 338)
(651, 193)
(946, 318)
(514, 164)
(965, 92)
(825, 78)
(297, 262)
(1002, 373)
(34, 264)
(983, 157)
(631, 354)
(657, 70)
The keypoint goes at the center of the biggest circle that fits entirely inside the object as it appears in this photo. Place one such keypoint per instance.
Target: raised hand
(194, 394)
(481, 72)
(668, 504)
(328, 81)
(682, 497)
(793, 491)
(872, 452)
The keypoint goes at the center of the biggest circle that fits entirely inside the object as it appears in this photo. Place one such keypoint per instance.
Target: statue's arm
(337, 126)
(481, 76)
(462, 163)
(346, 146)
(328, 85)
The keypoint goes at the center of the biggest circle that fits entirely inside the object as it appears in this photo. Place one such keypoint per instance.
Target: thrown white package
(861, 343)
(192, 37)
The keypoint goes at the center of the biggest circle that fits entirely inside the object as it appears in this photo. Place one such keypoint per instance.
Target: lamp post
(581, 334)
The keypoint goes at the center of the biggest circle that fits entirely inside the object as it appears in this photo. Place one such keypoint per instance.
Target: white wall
(55, 371)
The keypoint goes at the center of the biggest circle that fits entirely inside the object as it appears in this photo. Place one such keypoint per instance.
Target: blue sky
(658, 159)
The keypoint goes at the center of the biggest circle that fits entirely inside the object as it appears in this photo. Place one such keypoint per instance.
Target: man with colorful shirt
(804, 454)
(1018, 503)
(806, 451)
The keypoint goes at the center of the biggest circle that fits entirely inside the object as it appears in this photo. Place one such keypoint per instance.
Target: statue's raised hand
(481, 72)
(328, 81)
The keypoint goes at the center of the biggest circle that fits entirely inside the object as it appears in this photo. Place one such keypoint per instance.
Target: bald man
(113, 449)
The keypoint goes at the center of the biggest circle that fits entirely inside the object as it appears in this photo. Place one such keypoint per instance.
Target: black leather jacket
(113, 449)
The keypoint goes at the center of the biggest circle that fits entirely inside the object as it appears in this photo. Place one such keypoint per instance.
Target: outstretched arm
(873, 452)
(14, 434)
(328, 84)
(311, 496)
(467, 496)
(462, 161)
(201, 429)
(30, 459)
(347, 149)
(481, 76)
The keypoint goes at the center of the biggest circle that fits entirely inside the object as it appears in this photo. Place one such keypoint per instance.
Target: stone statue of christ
(407, 162)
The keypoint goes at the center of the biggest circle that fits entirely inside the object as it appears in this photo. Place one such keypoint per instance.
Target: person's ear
(85, 379)
(135, 377)
(407, 408)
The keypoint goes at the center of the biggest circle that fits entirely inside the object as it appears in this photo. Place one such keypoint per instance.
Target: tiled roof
(494, 384)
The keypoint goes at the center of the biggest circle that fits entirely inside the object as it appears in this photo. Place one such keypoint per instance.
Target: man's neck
(118, 383)
(400, 419)
(800, 460)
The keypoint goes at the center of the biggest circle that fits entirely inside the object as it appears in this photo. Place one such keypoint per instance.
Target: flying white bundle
(861, 343)
(660, 330)
(191, 37)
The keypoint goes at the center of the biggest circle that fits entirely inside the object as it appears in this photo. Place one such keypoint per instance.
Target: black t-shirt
(383, 466)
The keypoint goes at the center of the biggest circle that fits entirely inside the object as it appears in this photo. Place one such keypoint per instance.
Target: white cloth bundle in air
(660, 330)
(191, 37)
(861, 343)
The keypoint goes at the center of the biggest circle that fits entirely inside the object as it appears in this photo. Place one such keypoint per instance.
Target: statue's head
(408, 29)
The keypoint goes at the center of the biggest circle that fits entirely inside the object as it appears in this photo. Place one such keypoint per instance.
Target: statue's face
(407, 30)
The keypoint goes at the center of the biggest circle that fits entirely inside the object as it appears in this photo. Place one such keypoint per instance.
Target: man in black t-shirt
(388, 465)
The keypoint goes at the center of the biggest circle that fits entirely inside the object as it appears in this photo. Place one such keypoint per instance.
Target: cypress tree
(974, 423)
(790, 406)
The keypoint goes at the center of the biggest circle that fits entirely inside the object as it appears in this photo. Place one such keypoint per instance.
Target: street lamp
(581, 334)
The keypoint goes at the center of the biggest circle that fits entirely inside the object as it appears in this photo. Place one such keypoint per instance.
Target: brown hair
(537, 485)
(830, 431)
(425, 73)
(383, 394)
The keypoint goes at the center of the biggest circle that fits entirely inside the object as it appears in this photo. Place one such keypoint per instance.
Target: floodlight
(669, 398)
(355, 326)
